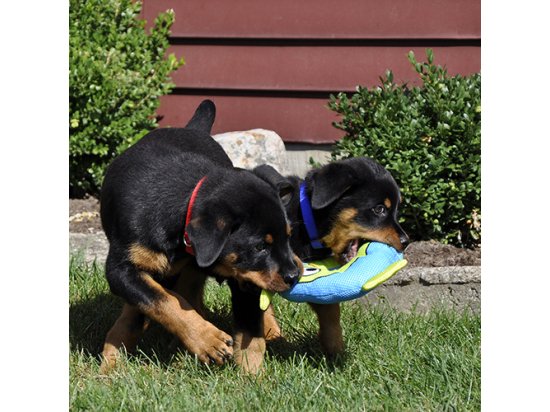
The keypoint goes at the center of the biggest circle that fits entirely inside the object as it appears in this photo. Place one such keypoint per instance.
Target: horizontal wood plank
(323, 19)
(294, 119)
(329, 68)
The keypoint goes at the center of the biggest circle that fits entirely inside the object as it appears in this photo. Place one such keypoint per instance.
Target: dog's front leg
(249, 346)
(330, 330)
(178, 316)
(272, 330)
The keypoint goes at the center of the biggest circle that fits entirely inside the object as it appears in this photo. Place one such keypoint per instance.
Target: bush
(118, 71)
(429, 138)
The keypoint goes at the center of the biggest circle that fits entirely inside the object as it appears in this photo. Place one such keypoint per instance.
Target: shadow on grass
(307, 346)
(90, 320)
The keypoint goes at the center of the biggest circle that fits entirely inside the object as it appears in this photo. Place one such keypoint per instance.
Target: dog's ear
(208, 234)
(204, 116)
(281, 184)
(329, 183)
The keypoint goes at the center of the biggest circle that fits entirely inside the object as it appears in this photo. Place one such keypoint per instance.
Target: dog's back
(163, 156)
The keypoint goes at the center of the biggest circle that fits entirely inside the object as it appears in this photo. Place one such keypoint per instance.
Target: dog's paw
(109, 359)
(249, 352)
(211, 345)
(332, 341)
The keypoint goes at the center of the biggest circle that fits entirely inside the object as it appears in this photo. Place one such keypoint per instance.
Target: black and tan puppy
(174, 209)
(350, 201)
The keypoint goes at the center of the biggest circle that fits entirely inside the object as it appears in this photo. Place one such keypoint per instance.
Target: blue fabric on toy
(326, 282)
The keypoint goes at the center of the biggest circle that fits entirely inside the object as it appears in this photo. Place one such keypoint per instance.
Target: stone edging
(437, 275)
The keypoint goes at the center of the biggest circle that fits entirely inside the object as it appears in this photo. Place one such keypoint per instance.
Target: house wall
(274, 64)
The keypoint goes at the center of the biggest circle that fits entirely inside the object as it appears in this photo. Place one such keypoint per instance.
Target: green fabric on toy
(327, 282)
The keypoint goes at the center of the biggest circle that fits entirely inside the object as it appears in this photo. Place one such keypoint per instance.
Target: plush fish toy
(326, 282)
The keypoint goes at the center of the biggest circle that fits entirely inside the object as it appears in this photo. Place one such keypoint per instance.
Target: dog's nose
(293, 273)
(291, 278)
(404, 239)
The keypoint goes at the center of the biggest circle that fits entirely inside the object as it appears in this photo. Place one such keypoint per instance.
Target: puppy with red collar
(175, 210)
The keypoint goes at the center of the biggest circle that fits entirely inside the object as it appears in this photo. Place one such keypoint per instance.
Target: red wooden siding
(273, 64)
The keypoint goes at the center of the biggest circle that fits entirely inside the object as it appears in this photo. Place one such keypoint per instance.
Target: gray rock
(251, 148)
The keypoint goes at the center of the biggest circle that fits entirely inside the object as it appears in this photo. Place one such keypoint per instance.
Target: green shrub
(118, 71)
(429, 138)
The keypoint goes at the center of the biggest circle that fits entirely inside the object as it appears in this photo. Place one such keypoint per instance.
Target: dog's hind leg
(125, 333)
(190, 285)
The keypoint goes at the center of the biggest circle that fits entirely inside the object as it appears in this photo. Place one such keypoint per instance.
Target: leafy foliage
(118, 71)
(429, 138)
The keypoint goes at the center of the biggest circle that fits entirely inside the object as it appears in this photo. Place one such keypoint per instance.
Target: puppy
(349, 201)
(175, 210)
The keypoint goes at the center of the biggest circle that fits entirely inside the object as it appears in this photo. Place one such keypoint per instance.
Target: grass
(394, 361)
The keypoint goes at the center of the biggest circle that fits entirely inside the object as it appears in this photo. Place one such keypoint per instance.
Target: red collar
(186, 241)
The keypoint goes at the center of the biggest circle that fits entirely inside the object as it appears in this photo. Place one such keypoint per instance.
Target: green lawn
(394, 361)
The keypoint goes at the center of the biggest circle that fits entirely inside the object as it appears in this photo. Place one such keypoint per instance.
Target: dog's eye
(379, 210)
(260, 247)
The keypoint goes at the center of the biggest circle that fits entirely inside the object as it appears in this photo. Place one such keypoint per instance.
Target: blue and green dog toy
(326, 282)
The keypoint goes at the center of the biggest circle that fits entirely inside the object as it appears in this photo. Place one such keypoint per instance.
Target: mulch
(84, 218)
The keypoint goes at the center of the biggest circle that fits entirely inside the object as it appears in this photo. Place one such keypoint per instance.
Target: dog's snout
(292, 275)
(404, 239)
(291, 268)
(402, 236)
(291, 278)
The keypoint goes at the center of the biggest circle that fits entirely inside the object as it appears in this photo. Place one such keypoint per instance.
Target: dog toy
(326, 282)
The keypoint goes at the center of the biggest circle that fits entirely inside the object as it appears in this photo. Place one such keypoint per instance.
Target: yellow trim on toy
(385, 275)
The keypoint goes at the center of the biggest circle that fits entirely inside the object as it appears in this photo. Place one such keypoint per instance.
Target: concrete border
(423, 288)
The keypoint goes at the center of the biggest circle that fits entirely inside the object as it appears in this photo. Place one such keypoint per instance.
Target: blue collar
(307, 215)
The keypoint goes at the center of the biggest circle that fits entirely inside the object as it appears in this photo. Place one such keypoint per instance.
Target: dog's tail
(204, 116)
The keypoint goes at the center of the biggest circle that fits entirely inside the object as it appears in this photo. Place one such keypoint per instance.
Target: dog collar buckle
(186, 240)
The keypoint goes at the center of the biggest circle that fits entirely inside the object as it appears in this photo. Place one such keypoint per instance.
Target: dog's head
(242, 232)
(356, 200)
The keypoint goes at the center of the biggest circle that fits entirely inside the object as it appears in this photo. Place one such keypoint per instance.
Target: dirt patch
(435, 254)
(84, 215)
(84, 218)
